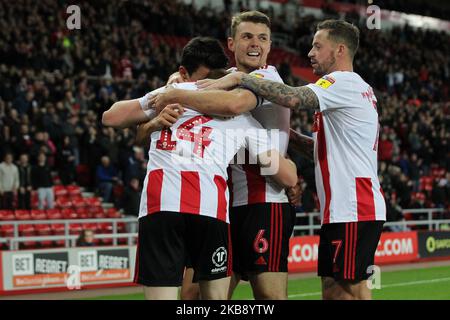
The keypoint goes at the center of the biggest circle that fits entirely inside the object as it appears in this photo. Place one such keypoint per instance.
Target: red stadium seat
(7, 231)
(121, 227)
(53, 214)
(73, 190)
(57, 229)
(63, 203)
(59, 190)
(38, 214)
(93, 202)
(426, 183)
(78, 203)
(83, 213)
(7, 215)
(44, 230)
(69, 213)
(22, 214)
(27, 230)
(113, 213)
(104, 227)
(75, 228)
(97, 212)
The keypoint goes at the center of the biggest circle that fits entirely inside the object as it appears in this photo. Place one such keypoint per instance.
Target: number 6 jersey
(187, 168)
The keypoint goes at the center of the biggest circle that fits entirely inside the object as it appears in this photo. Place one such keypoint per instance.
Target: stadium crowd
(56, 83)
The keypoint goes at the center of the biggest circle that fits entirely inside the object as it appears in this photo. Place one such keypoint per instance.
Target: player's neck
(344, 66)
(244, 69)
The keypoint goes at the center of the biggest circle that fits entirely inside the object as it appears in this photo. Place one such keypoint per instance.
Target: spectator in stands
(385, 148)
(394, 213)
(9, 182)
(25, 187)
(134, 168)
(41, 180)
(130, 202)
(66, 161)
(86, 238)
(107, 176)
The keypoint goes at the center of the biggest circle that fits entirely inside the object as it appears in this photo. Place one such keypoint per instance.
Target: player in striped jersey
(198, 58)
(346, 138)
(261, 218)
(165, 147)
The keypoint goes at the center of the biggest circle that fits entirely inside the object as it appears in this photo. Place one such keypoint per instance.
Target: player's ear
(184, 73)
(341, 49)
(230, 43)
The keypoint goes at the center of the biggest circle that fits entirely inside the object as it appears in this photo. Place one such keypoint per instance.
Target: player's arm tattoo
(282, 94)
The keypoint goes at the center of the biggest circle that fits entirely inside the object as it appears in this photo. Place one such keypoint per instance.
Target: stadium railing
(67, 236)
(70, 239)
(314, 220)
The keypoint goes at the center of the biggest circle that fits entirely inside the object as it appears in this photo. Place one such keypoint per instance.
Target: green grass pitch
(415, 284)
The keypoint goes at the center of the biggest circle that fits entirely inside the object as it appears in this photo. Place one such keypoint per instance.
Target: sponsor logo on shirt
(258, 75)
(325, 82)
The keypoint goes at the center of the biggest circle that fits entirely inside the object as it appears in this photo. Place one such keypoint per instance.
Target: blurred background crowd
(56, 83)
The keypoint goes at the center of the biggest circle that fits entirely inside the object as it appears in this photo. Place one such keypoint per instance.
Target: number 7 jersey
(345, 150)
(187, 168)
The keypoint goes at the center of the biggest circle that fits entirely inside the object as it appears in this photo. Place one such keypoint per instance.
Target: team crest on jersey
(325, 82)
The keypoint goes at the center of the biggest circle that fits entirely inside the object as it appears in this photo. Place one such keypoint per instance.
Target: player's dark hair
(341, 31)
(248, 16)
(203, 51)
(217, 73)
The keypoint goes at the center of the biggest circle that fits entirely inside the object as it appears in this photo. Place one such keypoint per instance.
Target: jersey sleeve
(149, 112)
(267, 73)
(331, 91)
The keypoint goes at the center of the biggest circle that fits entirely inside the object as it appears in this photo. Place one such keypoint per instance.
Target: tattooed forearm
(282, 94)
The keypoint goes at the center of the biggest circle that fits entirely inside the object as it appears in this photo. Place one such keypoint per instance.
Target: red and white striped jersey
(345, 150)
(187, 168)
(248, 186)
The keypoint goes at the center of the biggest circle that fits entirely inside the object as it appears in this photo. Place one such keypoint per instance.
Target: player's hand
(294, 193)
(229, 81)
(169, 115)
(161, 100)
(175, 78)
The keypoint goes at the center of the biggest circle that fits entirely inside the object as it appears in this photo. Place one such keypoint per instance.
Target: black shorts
(346, 250)
(167, 238)
(260, 237)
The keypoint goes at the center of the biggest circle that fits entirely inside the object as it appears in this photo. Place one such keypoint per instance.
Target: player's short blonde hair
(248, 16)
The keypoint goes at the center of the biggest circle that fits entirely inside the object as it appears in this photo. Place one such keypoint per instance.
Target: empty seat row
(88, 212)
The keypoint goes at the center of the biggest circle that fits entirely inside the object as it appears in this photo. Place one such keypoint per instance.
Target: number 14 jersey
(187, 168)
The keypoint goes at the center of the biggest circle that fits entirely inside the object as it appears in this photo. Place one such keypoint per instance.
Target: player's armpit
(282, 94)
(282, 170)
(124, 114)
(302, 144)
